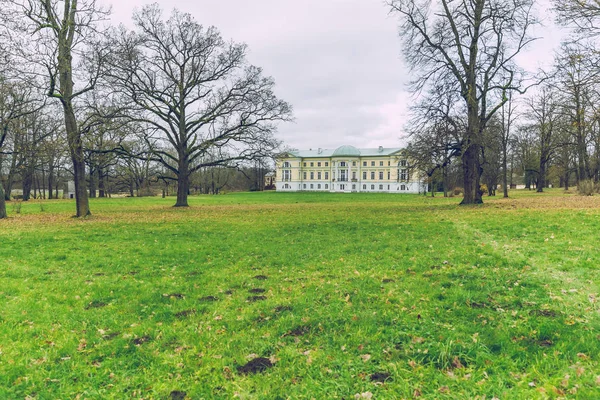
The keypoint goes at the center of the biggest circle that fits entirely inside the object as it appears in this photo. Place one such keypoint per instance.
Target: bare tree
(197, 92)
(471, 45)
(507, 116)
(16, 103)
(62, 31)
(543, 115)
(583, 14)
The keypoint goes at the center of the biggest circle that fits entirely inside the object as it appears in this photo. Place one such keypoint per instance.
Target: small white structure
(348, 169)
(69, 190)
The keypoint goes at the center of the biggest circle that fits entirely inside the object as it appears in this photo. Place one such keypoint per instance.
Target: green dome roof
(346, 151)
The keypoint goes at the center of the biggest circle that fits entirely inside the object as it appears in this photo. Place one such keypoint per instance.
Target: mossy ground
(395, 295)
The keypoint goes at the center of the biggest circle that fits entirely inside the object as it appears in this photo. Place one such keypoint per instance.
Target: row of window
(287, 164)
(342, 187)
(287, 175)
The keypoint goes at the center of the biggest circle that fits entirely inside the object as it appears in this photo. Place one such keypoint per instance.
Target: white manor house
(347, 169)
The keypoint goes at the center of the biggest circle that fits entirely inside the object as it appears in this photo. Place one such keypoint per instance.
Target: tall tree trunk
(76, 150)
(471, 170)
(51, 181)
(101, 183)
(504, 172)
(542, 176)
(183, 182)
(2, 202)
(27, 184)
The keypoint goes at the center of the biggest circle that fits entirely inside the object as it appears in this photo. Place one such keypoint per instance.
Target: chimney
(320, 150)
(381, 149)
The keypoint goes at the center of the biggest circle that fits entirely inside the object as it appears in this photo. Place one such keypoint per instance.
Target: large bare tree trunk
(76, 151)
(183, 182)
(471, 170)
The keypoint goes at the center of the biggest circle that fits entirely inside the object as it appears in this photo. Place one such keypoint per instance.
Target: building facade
(347, 169)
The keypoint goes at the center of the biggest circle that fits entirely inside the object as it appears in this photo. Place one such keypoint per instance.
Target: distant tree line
(169, 106)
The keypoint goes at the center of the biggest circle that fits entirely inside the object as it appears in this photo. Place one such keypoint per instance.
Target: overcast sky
(338, 62)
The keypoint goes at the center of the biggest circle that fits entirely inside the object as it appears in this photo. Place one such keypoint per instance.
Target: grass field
(332, 296)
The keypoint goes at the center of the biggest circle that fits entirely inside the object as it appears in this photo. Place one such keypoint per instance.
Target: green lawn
(397, 296)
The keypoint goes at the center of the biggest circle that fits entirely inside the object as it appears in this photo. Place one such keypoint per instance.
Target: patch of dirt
(280, 309)
(174, 295)
(545, 343)
(50, 272)
(380, 377)
(111, 335)
(193, 273)
(96, 304)
(185, 313)
(254, 366)
(474, 304)
(261, 277)
(133, 273)
(177, 395)
(298, 331)
(209, 298)
(257, 290)
(544, 313)
(229, 291)
(99, 274)
(141, 340)
(252, 299)
(388, 280)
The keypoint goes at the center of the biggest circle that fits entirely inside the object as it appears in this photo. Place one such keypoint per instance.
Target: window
(304, 186)
(312, 186)
(364, 163)
(286, 186)
(343, 164)
(326, 176)
(364, 187)
(326, 163)
(343, 187)
(287, 175)
(343, 176)
(402, 187)
(319, 186)
(372, 187)
(381, 163)
(326, 186)
(388, 187)
(354, 175)
(304, 175)
(372, 163)
(286, 165)
(304, 164)
(365, 175)
(380, 175)
(312, 176)
(389, 175)
(318, 175)
(403, 175)
(403, 163)
(354, 163)
(380, 187)
(318, 164)
(353, 187)
(389, 163)
(372, 175)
